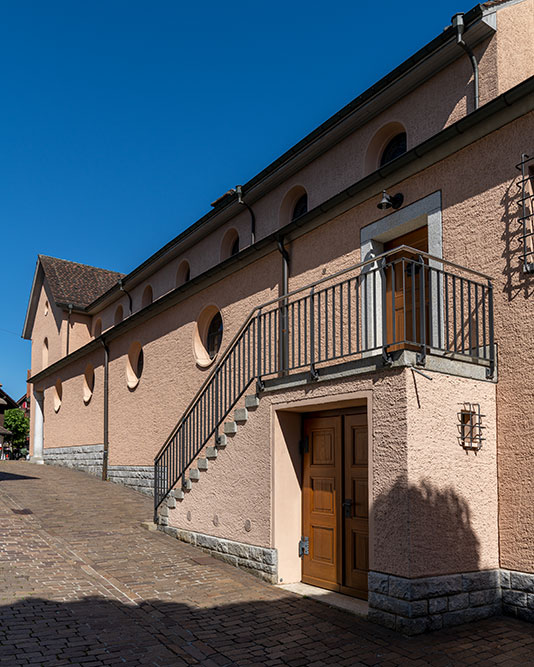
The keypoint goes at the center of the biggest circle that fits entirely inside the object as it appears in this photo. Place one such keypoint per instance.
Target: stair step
(251, 401)
(164, 511)
(230, 428)
(241, 415)
(194, 474)
(171, 501)
(179, 494)
(186, 484)
(202, 464)
(211, 452)
(221, 441)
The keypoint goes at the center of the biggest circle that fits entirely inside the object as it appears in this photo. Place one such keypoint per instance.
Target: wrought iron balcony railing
(401, 300)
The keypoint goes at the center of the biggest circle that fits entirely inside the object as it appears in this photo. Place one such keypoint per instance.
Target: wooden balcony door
(335, 502)
(403, 292)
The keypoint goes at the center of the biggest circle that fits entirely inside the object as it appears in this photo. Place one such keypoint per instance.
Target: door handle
(347, 508)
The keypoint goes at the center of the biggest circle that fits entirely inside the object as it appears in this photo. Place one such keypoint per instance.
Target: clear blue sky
(122, 120)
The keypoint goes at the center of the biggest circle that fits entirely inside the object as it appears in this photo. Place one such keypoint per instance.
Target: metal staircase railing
(402, 299)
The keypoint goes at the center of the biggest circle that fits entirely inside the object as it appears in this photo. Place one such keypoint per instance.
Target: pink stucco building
(328, 377)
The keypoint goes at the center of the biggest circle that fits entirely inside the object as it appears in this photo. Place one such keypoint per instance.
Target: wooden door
(335, 502)
(356, 504)
(321, 521)
(403, 292)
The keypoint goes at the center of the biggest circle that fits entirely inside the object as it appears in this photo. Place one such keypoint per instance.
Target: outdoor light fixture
(390, 202)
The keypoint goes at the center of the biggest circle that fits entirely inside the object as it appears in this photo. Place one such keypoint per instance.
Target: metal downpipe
(458, 23)
(106, 412)
(68, 326)
(284, 323)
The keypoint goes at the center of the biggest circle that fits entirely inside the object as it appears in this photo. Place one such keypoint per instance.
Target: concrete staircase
(209, 455)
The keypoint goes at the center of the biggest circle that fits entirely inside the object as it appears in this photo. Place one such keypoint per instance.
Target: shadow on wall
(517, 282)
(424, 531)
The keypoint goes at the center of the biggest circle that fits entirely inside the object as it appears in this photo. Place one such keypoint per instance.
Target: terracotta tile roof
(75, 283)
(492, 3)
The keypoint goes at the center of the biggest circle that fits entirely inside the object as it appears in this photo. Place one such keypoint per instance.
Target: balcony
(404, 299)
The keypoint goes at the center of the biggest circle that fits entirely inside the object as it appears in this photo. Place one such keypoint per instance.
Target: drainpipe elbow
(458, 23)
(239, 193)
(123, 289)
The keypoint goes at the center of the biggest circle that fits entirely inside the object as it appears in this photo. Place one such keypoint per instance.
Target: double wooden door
(335, 502)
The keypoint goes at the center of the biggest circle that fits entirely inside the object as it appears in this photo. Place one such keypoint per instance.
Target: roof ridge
(70, 261)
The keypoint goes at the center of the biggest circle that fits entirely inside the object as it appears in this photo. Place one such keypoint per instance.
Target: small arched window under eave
(394, 148)
(119, 315)
(148, 297)
(183, 275)
(301, 207)
(230, 244)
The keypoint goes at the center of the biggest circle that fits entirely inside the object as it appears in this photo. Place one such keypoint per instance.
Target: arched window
(58, 395)
(147, 297)
(97, 327)
(88, 383)
(214, 335)
(207, 337)
(294, 204)
(388, 143)
(301, 207)
(394, 148)
(230, 244)
(119, 315)
(45, 353)
(183, 275)
(235, 247)
(134, 364)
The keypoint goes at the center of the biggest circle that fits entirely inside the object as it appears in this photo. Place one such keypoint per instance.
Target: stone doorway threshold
(337, 600)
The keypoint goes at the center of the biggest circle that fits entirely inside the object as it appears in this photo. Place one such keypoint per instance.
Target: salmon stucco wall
(515, 37)
(77, 422)
(451, 491)
(427, 495)
(48, 324)
(242, 483)
(141, 419)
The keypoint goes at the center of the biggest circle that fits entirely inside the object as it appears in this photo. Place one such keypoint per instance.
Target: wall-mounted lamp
(390, 202)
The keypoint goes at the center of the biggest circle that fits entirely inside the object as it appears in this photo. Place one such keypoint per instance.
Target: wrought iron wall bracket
(386, 357)
(314, 375)
(260, 385)
(420, 357)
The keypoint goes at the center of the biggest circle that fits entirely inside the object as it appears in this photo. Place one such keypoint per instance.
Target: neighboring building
(24, 401)
(6, 403)
(316, 358)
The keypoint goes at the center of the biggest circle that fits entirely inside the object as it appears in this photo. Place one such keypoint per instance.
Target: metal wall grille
(470, 426)
(526, 218)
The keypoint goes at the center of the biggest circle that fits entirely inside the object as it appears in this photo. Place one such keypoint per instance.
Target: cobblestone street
(82, 583)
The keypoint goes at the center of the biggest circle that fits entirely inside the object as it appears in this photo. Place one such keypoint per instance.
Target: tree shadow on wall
(517, 282)
(430, 527)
